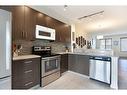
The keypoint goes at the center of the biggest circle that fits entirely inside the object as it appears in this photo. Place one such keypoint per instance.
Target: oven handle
(51, 58)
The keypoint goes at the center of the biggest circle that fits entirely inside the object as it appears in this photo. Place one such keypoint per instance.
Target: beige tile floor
(71, 80)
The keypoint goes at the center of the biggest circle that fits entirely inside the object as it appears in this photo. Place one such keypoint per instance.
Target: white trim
(72, 31)
(114, 73)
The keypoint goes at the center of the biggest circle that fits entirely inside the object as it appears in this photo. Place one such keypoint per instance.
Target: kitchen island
(83, 57)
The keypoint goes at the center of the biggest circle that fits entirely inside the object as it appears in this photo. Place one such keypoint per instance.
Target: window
(102, 44)
(123, 44)
(105, 44)
(108, 45)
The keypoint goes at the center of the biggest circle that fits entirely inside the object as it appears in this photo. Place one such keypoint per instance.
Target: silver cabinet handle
(28, 71)
(28, 62)
(23, 34)
(26, 35)
(28, 83)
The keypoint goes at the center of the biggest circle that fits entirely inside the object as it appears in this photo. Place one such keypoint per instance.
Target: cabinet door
(30, 23)
(72, 62)
(18, 22)
(79, 63)
(64, 63)
(83, 64)
(64, 32)
(51, 22)
(67, 33)
(17, 74)
(36, 71)
(58, 30)
(41, 19)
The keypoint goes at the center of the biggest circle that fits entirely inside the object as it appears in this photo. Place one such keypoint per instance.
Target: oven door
(50, 65)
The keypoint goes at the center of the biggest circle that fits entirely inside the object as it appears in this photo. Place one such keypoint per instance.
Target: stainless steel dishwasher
(100, 68)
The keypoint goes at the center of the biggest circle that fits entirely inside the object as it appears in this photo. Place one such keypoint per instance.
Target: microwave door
(45, 33)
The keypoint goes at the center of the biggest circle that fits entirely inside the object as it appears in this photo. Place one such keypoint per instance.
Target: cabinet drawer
(28, 84)
(29, 64)
(27, 67)
(25, 73)
(30, 61)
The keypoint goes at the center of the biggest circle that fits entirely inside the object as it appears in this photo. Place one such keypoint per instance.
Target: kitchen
(47, 52)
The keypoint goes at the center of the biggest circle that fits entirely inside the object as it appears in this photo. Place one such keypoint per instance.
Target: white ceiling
(112, 16)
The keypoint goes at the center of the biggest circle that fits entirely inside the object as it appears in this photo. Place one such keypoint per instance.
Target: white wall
(116, 48)
(80, 30)
(114, 32)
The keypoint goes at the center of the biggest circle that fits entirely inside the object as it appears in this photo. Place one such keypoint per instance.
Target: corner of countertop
(25, 57)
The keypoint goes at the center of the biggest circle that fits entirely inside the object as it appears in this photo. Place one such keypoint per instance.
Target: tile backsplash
(27, 46)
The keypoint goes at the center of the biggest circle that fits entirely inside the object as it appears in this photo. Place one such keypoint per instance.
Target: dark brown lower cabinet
(78, 63)
(25, 73)
(64, 63)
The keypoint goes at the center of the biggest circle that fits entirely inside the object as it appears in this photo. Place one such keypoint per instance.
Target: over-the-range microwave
(45, 33)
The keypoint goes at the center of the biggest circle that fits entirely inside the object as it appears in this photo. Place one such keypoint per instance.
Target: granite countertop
(25, 57)
(89, 53)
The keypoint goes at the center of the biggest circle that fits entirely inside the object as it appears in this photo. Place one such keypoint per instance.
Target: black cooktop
(43, 51)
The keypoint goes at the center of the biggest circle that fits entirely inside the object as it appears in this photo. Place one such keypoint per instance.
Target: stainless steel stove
(50, 64)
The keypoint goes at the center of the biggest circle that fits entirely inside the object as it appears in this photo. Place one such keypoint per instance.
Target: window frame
(106, 44)
(121, 45)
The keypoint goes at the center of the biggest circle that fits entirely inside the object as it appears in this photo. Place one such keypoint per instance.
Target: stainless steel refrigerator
(5, 44)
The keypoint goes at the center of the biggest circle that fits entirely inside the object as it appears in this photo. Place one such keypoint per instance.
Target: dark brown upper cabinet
(51, 22)
(67, 33)
(64, 33)
(25, 19)
(41, 19)
(30, 23)
(18, 22)
(23, 23)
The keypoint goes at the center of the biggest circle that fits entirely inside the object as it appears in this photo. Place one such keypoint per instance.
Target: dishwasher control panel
(102, 58)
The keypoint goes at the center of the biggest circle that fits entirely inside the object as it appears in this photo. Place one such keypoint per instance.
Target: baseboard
(35, 87)
(64, 73)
